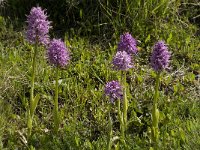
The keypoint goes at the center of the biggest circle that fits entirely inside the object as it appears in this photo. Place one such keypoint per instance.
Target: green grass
(82, 103)
(84, 108)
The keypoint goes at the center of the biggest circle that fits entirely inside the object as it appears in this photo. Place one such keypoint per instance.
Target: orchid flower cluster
(116, 90)
(38, 26)
(57, 53)
(58, 56)
(122, 62)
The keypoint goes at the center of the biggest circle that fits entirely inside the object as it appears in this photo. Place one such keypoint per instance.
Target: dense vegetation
(91, 30)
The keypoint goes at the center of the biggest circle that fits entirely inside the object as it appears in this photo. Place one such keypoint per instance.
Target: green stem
(155, 114)
(121, 121)
(31, 109)
(56, 115)
(125, 105)
(110, 133)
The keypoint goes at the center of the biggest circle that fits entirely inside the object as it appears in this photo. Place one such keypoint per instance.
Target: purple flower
(127, 43)
(122, 61)
(38, 26)
(160, 56)
(114, 90)
(58, 53)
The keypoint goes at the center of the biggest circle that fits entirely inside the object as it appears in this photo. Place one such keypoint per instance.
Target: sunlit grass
(84, 110)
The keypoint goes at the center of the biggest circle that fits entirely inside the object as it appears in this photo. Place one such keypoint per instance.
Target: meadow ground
(83, 105)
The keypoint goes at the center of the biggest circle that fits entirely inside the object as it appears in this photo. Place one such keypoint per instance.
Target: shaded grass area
(108, 19)
(83, 106)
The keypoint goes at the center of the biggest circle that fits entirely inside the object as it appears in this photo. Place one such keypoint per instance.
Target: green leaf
(35, 102)
(151, 148)
(77, 140)
(169, 38)
(161, 116)
(172, 133)
(182, 134)
(139, 78)
(155, 9)
(175, 87)
(81, 13)
(153, 74)
(148, 38)
(187, 40)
